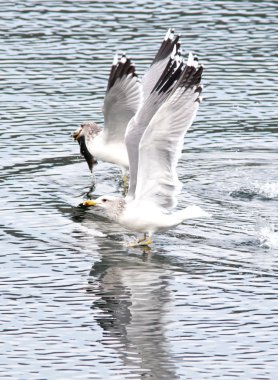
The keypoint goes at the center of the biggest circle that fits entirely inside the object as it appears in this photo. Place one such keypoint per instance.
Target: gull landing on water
(124, 96)
(154, 142)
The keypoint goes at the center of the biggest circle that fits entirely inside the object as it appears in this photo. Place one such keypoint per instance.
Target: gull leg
(125, 183)
(143, 238)
(145, 241)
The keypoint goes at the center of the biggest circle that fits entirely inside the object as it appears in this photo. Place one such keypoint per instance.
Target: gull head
(113, 206)
(87, 131)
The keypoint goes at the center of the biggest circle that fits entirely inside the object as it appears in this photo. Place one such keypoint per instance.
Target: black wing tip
(169, 76)
(121, 66)
(169, 43)
(198, 91)
(181, 74)
(191, 75)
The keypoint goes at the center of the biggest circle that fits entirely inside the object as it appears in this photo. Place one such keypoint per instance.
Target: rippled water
(76, 303)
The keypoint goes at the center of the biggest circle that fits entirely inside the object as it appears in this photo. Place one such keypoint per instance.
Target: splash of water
(267, 190)
(267, 235)
(264, 190)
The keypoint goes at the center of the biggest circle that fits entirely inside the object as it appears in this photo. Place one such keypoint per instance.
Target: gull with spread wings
(154, 141)
(125, 94)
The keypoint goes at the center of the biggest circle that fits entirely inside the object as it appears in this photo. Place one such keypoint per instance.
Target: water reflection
(160, 331)
(133, 298)
(130, 299)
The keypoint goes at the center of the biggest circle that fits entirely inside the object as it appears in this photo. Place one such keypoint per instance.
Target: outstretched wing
(122, 99)
(140, 121)
(170, 46)
(162, 141)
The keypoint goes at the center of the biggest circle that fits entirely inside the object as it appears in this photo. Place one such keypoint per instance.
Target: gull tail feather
(192, 212)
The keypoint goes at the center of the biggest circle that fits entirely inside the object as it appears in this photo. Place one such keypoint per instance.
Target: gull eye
(104, 200)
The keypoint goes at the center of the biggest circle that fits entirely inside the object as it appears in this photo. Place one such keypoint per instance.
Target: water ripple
(76, 302)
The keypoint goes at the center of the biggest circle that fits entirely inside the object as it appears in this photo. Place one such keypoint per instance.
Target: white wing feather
(135, 130)
(120, 104)
(160, 148)
(144, 115)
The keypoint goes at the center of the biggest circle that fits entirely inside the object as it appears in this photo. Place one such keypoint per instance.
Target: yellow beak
(89, 203)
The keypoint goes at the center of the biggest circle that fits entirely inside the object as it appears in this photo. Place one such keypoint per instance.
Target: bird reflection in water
(131, 308)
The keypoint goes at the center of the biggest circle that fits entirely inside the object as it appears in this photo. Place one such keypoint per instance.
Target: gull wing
(170, 46)
(122, 99)
(142, 118)
(161, 144)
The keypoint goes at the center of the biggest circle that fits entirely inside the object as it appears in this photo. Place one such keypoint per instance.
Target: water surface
(77, 303)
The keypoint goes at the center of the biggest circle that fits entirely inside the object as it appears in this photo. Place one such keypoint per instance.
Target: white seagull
(124, 96)
(154, 142)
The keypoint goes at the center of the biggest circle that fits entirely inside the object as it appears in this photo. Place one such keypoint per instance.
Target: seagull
(154, 140)
(125, 94)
